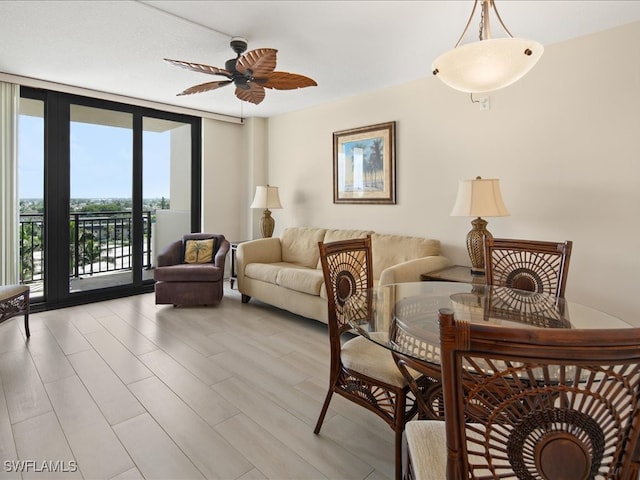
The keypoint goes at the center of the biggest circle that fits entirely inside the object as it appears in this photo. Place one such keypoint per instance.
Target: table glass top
(404, 316)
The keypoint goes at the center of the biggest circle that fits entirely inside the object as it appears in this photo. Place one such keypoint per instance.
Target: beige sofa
(285, 271)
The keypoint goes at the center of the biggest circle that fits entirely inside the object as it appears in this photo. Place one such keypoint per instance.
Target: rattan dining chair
(361, 370)
(532, 403)
(537, 266)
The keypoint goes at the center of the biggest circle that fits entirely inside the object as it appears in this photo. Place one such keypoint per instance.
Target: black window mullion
(196, 175)
(56, 195)
(137, 227)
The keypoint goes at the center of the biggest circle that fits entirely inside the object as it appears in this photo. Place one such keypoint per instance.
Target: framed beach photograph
(364, 164)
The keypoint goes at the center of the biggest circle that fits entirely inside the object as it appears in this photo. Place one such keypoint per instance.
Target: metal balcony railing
(100, 242)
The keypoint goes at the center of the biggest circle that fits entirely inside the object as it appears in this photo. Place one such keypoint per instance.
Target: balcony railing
(100, 242)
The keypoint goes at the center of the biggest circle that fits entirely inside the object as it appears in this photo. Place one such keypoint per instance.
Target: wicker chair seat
(364, 356)
(427, 447)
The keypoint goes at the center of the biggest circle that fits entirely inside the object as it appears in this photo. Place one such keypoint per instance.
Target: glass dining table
(403, 318)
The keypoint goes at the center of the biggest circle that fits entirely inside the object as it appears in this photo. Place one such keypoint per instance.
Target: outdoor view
(101, 186)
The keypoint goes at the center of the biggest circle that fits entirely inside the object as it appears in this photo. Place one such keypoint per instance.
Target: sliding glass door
(115, 184)
(31, 195)
(101, 193)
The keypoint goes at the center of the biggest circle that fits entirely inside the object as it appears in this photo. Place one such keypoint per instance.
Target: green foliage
(30, 243)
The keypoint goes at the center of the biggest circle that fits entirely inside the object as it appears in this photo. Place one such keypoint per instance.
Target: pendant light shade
(487, 65)
(490, 63)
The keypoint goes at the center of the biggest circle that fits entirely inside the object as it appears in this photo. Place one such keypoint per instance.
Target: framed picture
(364, 164)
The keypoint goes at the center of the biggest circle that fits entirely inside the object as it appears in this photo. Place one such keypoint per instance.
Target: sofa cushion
(389, 250)
(265, 272)
(304, 280)
(335, 235)
(300, 245)
(199, 251)
(188, 272)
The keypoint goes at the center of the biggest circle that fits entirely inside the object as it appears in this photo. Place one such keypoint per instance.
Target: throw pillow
(199, 251)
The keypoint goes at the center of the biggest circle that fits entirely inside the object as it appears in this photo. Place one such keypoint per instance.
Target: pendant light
(490, 63)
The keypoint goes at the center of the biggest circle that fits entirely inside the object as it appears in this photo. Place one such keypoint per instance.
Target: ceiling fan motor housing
(239, 44)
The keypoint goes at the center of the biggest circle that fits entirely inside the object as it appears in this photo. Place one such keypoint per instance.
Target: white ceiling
(348, 47)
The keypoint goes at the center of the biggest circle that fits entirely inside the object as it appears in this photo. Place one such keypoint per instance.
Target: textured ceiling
(348, 47)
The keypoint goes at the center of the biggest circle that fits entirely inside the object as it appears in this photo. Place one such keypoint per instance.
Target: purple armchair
(182, 283)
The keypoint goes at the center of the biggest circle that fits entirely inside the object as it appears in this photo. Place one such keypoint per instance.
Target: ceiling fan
(251, 73)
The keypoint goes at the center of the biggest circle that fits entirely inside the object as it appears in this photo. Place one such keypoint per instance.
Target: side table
(455, 273)
(233, 276)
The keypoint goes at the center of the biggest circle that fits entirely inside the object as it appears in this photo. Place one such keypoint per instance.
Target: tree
(375, 160)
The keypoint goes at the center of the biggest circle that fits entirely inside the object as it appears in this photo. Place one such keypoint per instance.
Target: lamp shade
(480, 197)
(487, 65)
(266, 197)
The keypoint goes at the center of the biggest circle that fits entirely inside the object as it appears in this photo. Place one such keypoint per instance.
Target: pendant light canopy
(490, 63)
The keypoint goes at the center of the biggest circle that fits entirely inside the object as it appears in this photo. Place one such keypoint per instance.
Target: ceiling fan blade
(261, 62)
(205, 87)
(253, 94)
(286, 81)
(199, 67)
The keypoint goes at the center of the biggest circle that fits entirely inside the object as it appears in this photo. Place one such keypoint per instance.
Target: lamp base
(267, 224)
(475, 245)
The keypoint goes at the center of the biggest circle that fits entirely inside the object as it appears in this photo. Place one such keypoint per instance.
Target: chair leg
(323, 412)
(399, 454)
(401, 417)
(26, 324)
(409, 475)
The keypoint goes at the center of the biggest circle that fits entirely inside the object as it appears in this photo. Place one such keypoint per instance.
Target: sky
(101, 161)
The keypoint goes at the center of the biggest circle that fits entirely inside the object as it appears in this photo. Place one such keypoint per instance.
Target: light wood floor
(127, 389)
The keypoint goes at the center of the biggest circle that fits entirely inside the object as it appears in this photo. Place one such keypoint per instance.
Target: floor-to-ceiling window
(102, 188)
(101, 198)
(166, 185)
(31, 194)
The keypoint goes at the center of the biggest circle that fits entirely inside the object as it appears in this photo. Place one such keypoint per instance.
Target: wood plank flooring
(128, 389)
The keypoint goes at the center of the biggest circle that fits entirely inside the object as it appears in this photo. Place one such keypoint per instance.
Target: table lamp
(266, 197)
(479, 197)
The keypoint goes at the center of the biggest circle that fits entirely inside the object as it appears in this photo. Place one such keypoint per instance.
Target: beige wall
(222, 174)
(565, 142)
(234, 162)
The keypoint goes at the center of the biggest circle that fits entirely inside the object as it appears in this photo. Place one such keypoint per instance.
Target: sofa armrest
(262, 250)
(171, 254)
(410, 271)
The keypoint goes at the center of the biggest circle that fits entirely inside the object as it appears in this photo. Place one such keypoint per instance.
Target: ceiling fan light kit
(490, 63)
(250, 72)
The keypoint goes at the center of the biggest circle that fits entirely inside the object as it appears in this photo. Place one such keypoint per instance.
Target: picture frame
(364, 165)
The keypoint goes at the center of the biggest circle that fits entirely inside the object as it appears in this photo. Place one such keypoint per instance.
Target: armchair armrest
(262, 250)
(410, 271)
(221, 254)
(171, 254)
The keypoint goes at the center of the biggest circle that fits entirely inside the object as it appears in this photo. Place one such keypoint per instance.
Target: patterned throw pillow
(199, 251)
